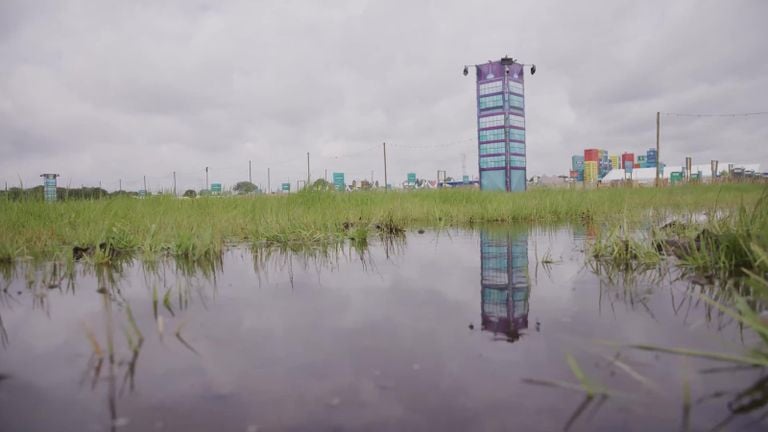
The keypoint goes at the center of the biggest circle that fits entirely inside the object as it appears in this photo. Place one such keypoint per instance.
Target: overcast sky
(103, 90)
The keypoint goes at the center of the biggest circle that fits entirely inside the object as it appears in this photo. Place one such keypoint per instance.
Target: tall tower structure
(49, 186)
(505, 285)
(501, 125)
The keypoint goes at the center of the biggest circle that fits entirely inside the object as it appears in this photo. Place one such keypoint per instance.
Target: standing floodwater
(442, 331)
(504, 281)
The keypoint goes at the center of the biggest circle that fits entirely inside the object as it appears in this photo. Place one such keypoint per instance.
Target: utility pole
(145, 185)
(269, 184)
(250, 179)
(119, 185)
(385, 167)
(174, 183)
(307, 169)
(206, 178)
(658, 155)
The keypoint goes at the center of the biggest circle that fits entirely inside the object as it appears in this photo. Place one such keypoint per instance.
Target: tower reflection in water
(504, 283)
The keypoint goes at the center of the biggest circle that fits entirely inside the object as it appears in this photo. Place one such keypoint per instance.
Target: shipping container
(592, 155)
(604, 167)
(651, 155)
(615, 162)
(577, 162)
(590, 171)
(625, 157)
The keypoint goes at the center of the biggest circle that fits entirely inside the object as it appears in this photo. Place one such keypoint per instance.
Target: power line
(185, 177)
(450, 144)
(225, 167)
(355, 153)
(285, 161)
(747, 114)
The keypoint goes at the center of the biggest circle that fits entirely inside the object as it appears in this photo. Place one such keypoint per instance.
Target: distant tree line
(93, 193)
(63, 194)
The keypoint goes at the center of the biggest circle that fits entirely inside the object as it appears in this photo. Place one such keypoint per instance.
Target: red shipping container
(574, 173)
(627, 157)
(592, 155)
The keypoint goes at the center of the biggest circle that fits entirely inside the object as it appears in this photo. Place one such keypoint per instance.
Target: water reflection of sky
(377, 341)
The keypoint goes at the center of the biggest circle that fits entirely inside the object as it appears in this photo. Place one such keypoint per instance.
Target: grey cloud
(108, 90)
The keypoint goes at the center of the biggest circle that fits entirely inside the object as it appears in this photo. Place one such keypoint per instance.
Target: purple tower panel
(501, 126)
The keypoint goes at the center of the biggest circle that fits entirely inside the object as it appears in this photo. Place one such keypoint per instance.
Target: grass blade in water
(590, 388)
(703, 354)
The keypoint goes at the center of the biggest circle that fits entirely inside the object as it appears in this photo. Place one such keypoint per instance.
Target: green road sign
(338, 181)
(215, 187)
(286, 187)
(411, 179)
(465, 179)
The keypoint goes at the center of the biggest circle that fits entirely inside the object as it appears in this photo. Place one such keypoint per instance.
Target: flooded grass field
(194, 228)
(494, 329)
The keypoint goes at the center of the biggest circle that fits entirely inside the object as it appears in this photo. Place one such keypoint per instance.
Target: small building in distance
(674, 172)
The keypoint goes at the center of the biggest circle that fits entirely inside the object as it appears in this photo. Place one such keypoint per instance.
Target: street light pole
(658, 155)
(385, 167)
